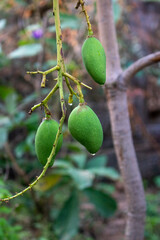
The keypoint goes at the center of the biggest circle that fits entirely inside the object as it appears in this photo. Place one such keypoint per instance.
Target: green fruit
(85, 127)
(45, 138)
(94, 59)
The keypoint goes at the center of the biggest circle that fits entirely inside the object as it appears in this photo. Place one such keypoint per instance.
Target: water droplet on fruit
(93, 154)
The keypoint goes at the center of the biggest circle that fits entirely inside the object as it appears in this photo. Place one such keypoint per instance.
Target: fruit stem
(46, 99)
(76, 80)
(90, 32)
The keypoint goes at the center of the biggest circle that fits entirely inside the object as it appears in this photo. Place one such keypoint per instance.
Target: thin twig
(81, 2)
(76, 80)
(78, 4)
(44, 102)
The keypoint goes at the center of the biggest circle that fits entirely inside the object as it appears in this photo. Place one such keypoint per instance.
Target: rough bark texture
(140, 64)
(121, 130)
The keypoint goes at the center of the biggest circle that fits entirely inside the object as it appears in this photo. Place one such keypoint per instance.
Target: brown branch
(141, 64)
(78, 5)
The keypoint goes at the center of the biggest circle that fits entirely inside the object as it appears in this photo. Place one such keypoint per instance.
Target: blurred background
(82, 197)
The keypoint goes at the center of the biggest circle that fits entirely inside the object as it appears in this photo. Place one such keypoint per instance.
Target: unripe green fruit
(85, 127)
(94, 59)
(44, 140)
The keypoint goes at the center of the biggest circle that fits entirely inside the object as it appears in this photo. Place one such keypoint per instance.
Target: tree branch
(121, 129)
(141, 64)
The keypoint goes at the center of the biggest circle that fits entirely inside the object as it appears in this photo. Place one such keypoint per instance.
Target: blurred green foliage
(152, 229)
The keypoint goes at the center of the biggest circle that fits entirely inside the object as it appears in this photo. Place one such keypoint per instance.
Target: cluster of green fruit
(83, 123)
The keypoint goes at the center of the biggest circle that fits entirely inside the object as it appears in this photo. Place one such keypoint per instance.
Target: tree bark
(121, 130)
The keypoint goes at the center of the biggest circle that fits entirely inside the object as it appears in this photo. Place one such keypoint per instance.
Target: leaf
(79, 159)
(68, 219)
(62, 164)
(74, 147)
(5, 91)
(104, 203)
(26, 146)
(11, 103)
(82, 178)
(5, 210)
(32, 122)
(104, 187)
(28, 50)
(106, 172)
(4, 121)
(4, 193)
(47, 182)
(99, 161)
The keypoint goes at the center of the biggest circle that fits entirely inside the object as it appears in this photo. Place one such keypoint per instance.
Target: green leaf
(5, 210)
(5, 91)
(99, 161)
(4, 121)
(4, 193)
(104, 187)
(68, 219)
(106, 172)
(26, 146)
(82, 178)
(47, 182)
(104, 203)
(79, 159)
(74, 147)
(11, 103)
(28, 50)
(62, 164)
